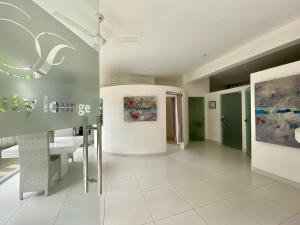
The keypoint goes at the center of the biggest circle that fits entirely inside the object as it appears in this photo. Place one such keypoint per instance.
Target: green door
(248, 121)
(196, 119)
(231, 117)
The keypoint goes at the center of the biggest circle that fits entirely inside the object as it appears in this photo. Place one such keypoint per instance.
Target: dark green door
(231, 117)
(196, 119)
(248, 121)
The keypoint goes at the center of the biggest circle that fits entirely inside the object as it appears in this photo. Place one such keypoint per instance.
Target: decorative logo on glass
(43, 64)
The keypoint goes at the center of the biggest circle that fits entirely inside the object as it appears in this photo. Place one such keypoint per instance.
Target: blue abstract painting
(140, 108)
(277, 111)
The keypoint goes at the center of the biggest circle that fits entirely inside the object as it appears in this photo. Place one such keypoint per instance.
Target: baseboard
(135, 155)
(276, 177)
(213, 141)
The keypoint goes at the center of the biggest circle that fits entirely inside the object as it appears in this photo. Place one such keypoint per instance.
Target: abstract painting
(277, 111)
(140, 108)
(212, 104)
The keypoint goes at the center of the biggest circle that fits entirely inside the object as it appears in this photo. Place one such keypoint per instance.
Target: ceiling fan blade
(125, 39)
(69, 21)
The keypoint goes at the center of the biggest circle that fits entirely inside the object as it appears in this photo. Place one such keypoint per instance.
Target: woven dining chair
(37, 167)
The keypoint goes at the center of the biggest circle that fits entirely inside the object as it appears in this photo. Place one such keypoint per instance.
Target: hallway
(207, 184)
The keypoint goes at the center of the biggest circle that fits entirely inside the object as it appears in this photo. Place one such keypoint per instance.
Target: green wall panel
(232, 120)
(196, 119)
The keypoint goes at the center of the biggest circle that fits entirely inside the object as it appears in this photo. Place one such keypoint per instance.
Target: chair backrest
(34, 159)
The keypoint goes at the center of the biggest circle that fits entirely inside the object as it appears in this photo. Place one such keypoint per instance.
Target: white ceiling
(173, 35)
(82, 12)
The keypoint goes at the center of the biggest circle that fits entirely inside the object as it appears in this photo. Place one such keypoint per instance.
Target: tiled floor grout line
(148, 207)
(104, 203)
(174, 214)
(199, 180)
(180, 194)
(195, 181)
(203, 219)
(245, 193)
(192, 208)
(242, 189)
(225, 199)
(146, 203)
(292, 216)
(16, 211)
(61, 207)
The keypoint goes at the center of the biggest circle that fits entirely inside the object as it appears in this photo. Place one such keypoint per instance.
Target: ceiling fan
(99, 40)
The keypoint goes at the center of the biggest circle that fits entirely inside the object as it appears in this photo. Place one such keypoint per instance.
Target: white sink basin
(297, 134)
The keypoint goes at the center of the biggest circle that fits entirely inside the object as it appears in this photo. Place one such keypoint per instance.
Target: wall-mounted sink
(297, 134)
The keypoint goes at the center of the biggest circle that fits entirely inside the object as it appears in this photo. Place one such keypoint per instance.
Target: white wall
(282, 37)
(213, 125)
(114, 80)
(64, 132)
(175, 81)
(274, 159)
(197, 88)
(135, 137)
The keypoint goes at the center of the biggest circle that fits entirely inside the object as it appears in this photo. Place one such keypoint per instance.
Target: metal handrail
(86, 178)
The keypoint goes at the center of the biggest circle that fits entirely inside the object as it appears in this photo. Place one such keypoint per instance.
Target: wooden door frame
(172, 139)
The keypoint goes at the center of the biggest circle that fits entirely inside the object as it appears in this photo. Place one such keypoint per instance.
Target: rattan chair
(37, 167)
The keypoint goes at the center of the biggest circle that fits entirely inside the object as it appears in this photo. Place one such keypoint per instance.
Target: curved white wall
(135, 138)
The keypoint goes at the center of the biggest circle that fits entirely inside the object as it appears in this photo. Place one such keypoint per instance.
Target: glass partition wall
(49, 85)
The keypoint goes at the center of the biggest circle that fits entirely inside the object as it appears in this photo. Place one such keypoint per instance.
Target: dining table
(62, 146)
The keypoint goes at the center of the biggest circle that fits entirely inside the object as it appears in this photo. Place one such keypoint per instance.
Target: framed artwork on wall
(140, 108)
(277, 111)
(212, 104)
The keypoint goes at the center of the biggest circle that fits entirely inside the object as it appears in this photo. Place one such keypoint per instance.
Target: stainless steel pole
(85, 159)
(99, 154)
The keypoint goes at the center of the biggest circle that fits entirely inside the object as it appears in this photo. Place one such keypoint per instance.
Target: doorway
(248, 121)
(231, 117)
(171, 118)
(196, 119)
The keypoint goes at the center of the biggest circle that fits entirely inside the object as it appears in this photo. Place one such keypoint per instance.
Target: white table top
(297, 134)
(61, 145)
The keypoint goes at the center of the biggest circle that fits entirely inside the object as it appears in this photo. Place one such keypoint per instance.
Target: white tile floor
(207, 184)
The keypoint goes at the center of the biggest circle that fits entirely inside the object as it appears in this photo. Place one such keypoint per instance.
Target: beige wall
(175, 81)
(197, 88)
(113, 80)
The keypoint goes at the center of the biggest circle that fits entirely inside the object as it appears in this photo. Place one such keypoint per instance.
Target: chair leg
(20, 189)
(47, 192)
(59, 173)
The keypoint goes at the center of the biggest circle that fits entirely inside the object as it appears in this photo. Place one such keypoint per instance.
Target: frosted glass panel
(49, 77)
